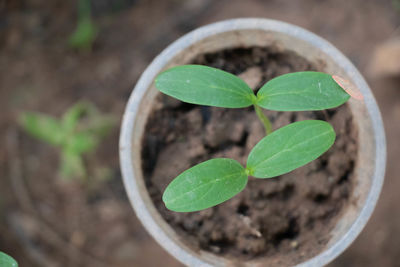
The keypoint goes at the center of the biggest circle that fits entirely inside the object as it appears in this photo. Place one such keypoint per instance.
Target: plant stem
(265, 121)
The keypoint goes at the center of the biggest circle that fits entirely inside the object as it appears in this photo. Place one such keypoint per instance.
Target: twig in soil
(248, 223)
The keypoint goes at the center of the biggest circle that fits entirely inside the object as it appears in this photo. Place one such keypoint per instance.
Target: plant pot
(371, 155)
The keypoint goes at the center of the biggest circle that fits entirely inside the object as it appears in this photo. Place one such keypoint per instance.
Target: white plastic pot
(371, 158)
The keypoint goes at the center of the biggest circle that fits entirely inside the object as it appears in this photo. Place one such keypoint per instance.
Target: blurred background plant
(86, 31)
(77, 133)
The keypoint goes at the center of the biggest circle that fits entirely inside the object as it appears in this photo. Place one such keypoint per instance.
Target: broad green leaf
(300, 91)
(43, 127)
(204, 85)
(7, 261)
(290, 147)
(205, 185)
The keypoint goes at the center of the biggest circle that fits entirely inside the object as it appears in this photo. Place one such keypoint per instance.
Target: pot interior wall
(249, 38)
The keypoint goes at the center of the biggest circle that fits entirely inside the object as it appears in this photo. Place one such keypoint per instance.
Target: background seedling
(217, 180)
(86, 31)
(79, 131)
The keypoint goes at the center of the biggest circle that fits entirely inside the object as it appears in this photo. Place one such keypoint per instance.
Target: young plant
(79, 131)
(7, 261)
(217, 180)
(86, 31)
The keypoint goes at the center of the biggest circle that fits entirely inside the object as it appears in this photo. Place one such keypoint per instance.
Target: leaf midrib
(286, 149)
(240, 93)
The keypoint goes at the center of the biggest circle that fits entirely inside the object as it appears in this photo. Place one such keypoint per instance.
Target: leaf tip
(349, 87)
(166, 199)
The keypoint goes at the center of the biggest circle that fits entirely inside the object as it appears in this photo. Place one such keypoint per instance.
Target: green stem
(265, 121)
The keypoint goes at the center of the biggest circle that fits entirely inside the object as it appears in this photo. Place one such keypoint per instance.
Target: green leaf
(84, 35)
(290, 147)
(204, 85)
(205, 185)
(43, 127)
(7, 261)
(85, 117)
(81, 142)
(300, 91)
(71, 117)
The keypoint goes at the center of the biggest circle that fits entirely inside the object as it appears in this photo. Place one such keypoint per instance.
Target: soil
(287, 218)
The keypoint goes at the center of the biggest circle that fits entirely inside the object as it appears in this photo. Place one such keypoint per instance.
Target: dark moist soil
(287, 218)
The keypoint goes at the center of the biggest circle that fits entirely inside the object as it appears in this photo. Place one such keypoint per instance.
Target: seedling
(217, 180)
(79, 131)
(7, 261)
(86, 31)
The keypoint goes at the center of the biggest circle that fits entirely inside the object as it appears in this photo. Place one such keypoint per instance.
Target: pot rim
(132, 110)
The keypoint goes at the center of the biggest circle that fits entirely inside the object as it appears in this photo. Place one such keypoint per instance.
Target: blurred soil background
(46, 221)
